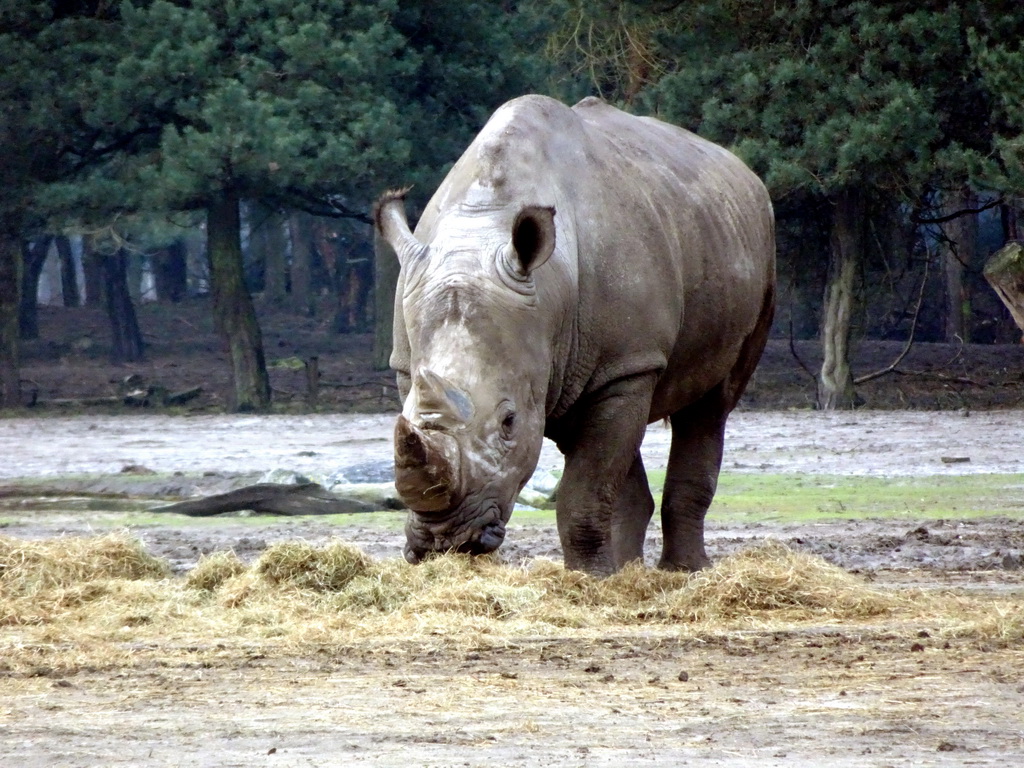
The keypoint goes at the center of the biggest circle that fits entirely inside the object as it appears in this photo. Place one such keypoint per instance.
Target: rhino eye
(508, 424)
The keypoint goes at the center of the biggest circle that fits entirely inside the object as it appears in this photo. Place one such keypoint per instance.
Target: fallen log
(182, 397)
(146, 397)
(157, 395)
(75, 402)
(271, 499)
(312, 381)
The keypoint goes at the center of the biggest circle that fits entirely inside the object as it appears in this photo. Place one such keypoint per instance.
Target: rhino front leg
(698, 433)
(601, 447)
(633, 511)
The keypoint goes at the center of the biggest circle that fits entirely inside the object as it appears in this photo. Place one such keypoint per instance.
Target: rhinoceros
(580, 273)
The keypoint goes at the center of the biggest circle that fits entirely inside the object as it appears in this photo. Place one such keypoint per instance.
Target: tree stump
(1005, 273)
(313, 381)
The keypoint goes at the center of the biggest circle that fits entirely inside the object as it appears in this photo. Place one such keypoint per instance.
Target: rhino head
(474, 375)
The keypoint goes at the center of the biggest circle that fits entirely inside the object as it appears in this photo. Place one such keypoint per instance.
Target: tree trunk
(385, 282)
(170, 272)
(133, 278)
(361, 269)
(197, 265)
(300, 229)
(335, 258)
(275, 281)
(341, 284)
(33, 258)
(126, 338)
(10, 291)
(354, 268)
(92, 268)
(254, 260)
(268, 251)
(1008, 218)
(68, 272)
(835, 382)
(233, 312)
(961, 235)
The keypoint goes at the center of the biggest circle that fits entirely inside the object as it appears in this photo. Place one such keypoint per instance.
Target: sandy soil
(878, 694)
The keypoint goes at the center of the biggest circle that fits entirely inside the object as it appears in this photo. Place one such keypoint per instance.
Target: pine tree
(998, 50)
(847, 102)
(46, 140)
(308, 104)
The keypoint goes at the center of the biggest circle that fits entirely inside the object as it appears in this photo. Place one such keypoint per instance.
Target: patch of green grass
(761, 497)
(741, 497)
(116, 513)
(386, 519)
(797, 498)
(533, 516)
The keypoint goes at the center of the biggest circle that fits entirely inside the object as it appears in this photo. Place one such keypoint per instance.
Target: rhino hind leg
(698, 432)
(633, 512)
(695, 458)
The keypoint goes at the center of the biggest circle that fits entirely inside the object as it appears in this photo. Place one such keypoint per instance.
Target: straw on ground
(74, 599)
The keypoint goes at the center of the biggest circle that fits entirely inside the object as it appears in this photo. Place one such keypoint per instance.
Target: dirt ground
(851, 694)
(872, 694)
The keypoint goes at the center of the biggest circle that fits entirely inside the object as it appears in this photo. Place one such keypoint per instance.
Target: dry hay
(323, 569)
(109, 592)
(42, 579)
(772, 578)
(30, 567)
(213, 570)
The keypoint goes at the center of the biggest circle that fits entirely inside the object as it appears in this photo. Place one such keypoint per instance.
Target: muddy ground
(862, 694)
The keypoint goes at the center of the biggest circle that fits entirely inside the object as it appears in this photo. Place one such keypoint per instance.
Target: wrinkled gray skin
(579, 274)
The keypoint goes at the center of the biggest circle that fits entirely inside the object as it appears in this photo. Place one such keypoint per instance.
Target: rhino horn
(439, 403)
(391, 225)
(426, 467)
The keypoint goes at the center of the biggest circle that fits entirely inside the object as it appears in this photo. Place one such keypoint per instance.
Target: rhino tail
(391, 224)
(390, 196)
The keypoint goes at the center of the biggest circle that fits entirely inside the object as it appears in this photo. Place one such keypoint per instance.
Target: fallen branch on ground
(951, 379)
(383, 382)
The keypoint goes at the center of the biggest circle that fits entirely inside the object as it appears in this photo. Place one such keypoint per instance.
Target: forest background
(160, 150)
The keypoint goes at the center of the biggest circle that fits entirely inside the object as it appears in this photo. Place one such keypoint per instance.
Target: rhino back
(680, 260)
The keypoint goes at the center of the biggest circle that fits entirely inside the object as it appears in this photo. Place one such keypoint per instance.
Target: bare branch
(918, 219)
(792, 350)
(952, 379)
(792, 345)
(328, 206)
(910, 339)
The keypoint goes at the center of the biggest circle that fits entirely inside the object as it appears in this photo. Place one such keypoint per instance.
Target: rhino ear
(533, 236)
